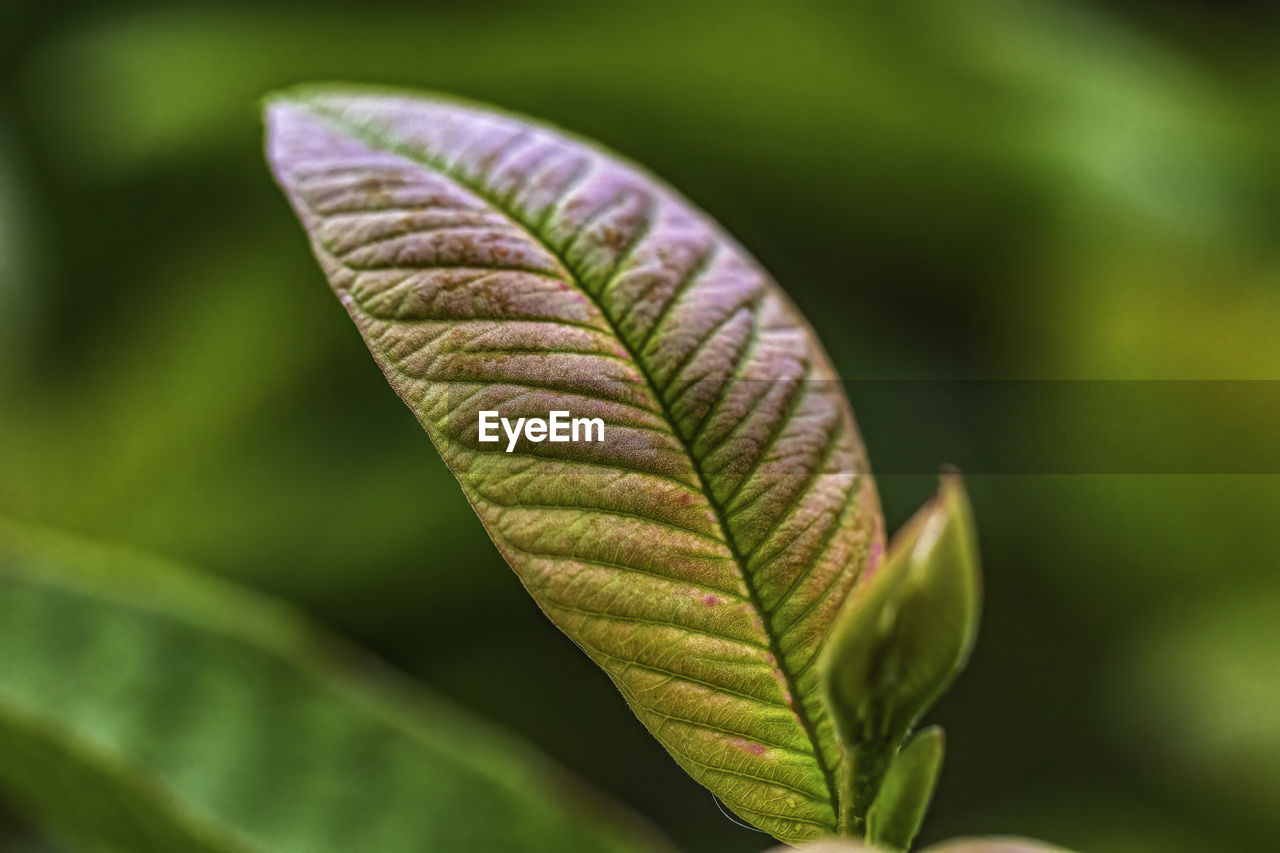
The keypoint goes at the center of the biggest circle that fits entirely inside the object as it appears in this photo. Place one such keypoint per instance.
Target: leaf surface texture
(699, 553)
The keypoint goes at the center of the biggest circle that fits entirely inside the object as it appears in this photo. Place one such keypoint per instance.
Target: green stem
(864, 773)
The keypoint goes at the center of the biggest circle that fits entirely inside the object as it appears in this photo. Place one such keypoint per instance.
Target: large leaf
(144, 709)
(700, 553)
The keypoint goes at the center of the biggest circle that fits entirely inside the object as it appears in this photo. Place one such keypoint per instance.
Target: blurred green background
(996, 189)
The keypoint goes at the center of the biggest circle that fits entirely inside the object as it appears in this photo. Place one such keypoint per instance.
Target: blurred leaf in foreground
(152, 710)
(994, 845)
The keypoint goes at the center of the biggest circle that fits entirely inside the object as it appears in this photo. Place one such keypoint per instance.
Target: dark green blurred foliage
(997, 189)
(148, 709)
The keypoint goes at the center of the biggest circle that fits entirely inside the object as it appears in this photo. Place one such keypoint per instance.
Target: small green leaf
(902, 640)
(900, 806)
(700, 553)
(146, 709)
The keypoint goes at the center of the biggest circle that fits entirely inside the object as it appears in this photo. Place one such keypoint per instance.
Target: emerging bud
(902, 639)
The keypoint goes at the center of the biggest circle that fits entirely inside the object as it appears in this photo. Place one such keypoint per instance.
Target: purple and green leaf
(703, 552)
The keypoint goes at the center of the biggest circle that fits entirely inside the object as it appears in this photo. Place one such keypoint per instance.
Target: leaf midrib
(380, 140)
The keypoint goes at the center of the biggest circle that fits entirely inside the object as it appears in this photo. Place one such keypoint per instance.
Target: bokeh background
(1002, 189)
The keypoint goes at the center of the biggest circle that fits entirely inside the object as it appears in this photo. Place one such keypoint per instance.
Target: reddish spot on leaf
(711, 600)
(749, 746)
(877, 549)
